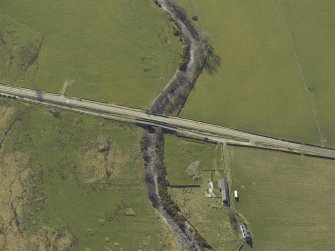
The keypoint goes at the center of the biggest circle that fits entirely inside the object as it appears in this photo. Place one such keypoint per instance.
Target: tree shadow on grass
(213, 61)
(39, 94)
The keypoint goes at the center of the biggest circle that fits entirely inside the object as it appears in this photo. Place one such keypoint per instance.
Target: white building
(236, 195)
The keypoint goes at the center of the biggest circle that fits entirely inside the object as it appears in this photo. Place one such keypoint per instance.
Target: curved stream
(170, 102)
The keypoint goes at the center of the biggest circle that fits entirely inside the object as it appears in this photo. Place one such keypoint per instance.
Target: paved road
(189, 128)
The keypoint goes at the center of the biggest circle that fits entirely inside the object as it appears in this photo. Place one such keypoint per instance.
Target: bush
(184, 57)
(157, 3)
(176, 31)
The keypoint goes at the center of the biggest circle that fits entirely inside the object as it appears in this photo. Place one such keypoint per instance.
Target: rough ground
(105, 161)
(13, 186)
(14, 175)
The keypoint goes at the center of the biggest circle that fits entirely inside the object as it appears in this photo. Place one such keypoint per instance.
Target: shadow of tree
(213, 61)
(39, 94)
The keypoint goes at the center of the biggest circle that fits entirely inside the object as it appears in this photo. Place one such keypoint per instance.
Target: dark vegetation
(54, 112)
(170, 102)
(158, 170)
(174, 96)
(213, 60)
(195, 18)
(184, 57)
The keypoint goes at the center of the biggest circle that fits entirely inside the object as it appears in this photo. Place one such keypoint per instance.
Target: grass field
(287, 199)
(74, 183)
(184, 159)
(312, 29)
(208, 215)
(117, 51)
(255, 83)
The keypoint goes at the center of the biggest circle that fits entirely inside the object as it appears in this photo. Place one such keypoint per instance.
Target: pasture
(84, 176)
(185, 160)
(287, 199)
(271, 67)
(208, 215)
(121, 52)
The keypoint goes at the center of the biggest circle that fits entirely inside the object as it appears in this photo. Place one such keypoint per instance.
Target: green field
(122, 52)
(208, 215)
(287, 199)
(73, 183)
(314, 36)
(184, 159)
(254, 82)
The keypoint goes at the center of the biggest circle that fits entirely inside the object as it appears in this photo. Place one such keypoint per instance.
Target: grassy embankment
(82, 175)
(253, 82)
(208, 215)
(287, 199)
(121, 52)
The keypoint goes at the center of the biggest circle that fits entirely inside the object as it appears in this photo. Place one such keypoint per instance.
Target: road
(184, 127)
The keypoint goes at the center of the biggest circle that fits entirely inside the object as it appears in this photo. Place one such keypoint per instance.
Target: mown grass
(253, 82)
(180, 154)
(287, 199)
(56, 147)
(122, 52)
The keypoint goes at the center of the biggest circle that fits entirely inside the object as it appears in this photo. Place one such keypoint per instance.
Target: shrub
(184, 57)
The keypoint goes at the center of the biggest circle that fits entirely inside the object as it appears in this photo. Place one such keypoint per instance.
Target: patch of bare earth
(14, 185)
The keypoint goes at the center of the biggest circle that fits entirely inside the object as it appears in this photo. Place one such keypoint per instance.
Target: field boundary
(323, 139)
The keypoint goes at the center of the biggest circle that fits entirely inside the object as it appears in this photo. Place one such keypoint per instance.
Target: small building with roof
(224, 190)
(243, 231)
(236, 195)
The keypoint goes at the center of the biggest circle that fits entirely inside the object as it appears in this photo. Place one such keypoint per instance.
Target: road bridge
(184, 127)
